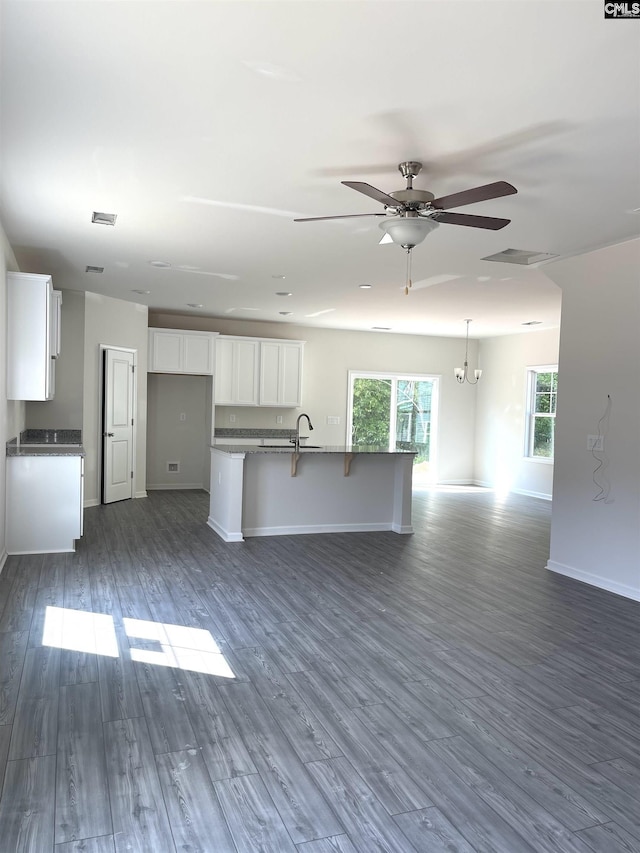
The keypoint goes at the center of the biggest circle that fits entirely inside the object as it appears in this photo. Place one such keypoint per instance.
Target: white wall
(171, 440)
(112, 322)
(330, 354)
(11, 411)
(501, 412)
(65, 411)
(598, 541)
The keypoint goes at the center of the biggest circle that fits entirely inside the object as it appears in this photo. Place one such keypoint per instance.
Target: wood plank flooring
(163, 691)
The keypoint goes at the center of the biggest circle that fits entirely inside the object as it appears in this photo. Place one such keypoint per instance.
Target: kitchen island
(273, 491)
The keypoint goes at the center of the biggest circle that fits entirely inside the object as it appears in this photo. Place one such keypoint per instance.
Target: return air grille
(519, 256)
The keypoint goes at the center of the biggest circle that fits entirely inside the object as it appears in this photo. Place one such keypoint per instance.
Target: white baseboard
(402, 528)
(92, 502)
(318, 528)
(222, 533)
(155, 487)
(457, 483)
(542, 495)
(141, 495)
(3, 560)
(595, 580)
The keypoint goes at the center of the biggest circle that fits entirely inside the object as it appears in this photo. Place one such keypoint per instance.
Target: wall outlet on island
(278, 419)
(232, 419)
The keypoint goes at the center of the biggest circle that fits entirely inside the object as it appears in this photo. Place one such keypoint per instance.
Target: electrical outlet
(595, 442)
(232, 419)
(183, 416)
(278, 419)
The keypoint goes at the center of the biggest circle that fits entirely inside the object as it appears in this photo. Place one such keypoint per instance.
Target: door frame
(396, 375)
(101, 397)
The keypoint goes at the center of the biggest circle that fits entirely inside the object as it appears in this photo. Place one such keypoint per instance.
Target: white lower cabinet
(44, 503)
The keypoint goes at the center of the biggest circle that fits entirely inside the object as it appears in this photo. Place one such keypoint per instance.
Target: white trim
(595, 580)
(466, 482)
(222, 533)
(142, 494)
(47, 551)
(172, 486)
(92, 502)
(3, 560)
(322, 528)
(543, 496)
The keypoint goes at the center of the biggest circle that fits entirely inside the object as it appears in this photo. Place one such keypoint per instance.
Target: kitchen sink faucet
(296, 440)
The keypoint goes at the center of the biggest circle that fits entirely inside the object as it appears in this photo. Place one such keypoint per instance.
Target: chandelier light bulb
(462, 373)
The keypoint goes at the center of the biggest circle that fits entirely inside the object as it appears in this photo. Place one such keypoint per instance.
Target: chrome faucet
(296, 441)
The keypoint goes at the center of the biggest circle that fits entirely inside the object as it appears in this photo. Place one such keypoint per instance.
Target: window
(395, 411)
(541, 414)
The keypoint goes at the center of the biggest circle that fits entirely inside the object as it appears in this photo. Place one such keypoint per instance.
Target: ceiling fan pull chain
(409, 282)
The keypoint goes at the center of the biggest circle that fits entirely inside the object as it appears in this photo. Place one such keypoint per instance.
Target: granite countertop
(47, 442)
(251, 448)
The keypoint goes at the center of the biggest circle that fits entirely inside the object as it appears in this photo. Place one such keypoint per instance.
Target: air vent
(103, 218)
(94, 269)
(520, 256)
(173, 467)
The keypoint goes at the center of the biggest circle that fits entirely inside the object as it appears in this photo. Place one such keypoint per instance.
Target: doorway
(396, 411)
(118, 423)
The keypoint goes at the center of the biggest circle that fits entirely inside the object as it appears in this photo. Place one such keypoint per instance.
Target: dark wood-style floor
(368, 692)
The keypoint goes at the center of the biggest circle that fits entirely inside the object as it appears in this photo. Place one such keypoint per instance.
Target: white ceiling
(208, 126)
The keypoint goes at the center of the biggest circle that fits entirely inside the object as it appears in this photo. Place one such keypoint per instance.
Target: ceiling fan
(411, 214)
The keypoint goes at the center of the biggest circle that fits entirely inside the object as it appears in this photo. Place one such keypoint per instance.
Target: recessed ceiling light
(94, 269)
(103, 218)
(283, 293)
(364, 286)
(532, 323)
(161, 264)
(381, 328)
(142, 292)
(285, 313)
(194, 304)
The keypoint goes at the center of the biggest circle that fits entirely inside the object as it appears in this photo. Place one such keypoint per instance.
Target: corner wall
(598, 541)
(501, 413)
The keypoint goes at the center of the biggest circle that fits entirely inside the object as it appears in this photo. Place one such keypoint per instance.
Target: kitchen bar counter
(47, 442)
(270, 491)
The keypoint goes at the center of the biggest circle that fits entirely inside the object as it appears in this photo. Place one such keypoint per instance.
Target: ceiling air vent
(519, 256)
(103, 218)
(94, 269)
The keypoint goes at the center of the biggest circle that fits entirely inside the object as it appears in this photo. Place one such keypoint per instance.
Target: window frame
(531, 415)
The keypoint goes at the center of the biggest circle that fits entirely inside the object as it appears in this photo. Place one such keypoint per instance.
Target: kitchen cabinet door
(30, 341)
(281, 373)
(177, 351)
(237, 364)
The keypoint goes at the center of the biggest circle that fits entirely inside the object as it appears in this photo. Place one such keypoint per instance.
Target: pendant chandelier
(462, 373)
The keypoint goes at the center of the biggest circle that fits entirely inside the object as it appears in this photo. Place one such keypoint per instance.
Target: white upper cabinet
(258, 372)
(33, 336)
(237, 366)
(179, 351)
(281, 373)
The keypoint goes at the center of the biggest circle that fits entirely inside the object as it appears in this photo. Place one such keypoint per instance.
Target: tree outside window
(543, 392)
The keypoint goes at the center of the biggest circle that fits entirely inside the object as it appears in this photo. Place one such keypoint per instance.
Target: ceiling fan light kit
(412, 214)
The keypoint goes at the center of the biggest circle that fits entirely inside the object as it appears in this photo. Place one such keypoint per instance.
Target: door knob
(108, 435)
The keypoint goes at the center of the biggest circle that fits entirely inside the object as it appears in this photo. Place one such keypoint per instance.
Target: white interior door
(117, 441)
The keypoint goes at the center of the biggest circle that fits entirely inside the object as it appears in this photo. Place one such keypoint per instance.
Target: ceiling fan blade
(346, 216)
(490, 222)
(373, 193)
(495, 190)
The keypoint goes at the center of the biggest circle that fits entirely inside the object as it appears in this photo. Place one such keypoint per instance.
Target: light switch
(183, 416)
(333, 419)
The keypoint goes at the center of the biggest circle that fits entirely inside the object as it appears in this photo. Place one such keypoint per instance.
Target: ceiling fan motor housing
(413, 199)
